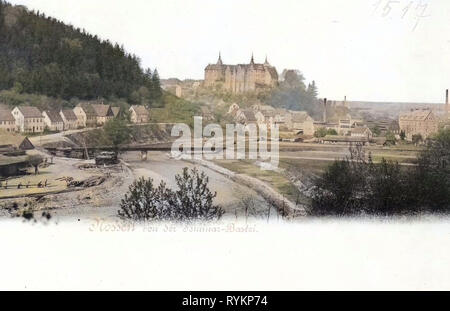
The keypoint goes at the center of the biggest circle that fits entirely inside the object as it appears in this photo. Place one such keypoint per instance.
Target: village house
(13, 158)
(265, 117)
(245, 116)
(11, 142)
(260, 107)
(280, 116)
(361, 132)
(12, 166)
(7, 121)
(53, 121)
(345, 126)
(299, 122)
(418, 122)
(103, 113)
(69, 118)
(116, 111)
(233, 110)
(28, 119)
(85, 114)
(139, 114)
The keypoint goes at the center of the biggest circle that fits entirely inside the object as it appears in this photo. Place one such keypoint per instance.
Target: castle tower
(219, 61)
(266, 62)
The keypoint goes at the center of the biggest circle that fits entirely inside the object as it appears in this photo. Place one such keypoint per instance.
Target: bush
(117, 132)
(321, 132)
(356, 185)
(192, 201)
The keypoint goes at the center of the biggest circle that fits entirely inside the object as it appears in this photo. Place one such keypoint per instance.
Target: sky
(372, 50)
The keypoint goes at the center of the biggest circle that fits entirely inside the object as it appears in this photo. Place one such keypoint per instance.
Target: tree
(432, 173)
(402, 135)
(312, 89)
(192, 201)
(35, 160)
(332, 132)
(293, 79)
(390, 138)
(156, 91)
(117, 132)
(144, 202)
(376, 131)
(356, 185)
(320, 132)
(416, 139)
(292, 94)
(43, 55)
(194, 197)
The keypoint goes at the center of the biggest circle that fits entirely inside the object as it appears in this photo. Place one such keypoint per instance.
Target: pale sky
(349, 47)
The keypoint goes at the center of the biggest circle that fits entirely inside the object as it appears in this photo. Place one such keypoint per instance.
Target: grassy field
(276, 179)
(306, 161)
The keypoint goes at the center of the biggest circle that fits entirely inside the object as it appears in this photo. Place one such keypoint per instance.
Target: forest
(42, 55)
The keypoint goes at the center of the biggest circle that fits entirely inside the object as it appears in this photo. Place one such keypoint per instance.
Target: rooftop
(360, 130)
(30, 112)
(69, 115)
(140, 110)
(10, 139)
(416, 115)
(5, 115)
(102, 110)
(54, 116)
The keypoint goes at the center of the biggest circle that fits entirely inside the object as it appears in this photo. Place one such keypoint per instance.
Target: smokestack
(446, 98)
(325, 110)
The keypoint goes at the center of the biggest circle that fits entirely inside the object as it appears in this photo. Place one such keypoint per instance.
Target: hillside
(41, 55)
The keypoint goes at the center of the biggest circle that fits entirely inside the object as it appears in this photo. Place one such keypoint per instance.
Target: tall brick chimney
(446, 101)
(325, 110)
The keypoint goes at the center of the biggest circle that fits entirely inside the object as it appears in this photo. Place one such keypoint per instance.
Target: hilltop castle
(241, 78)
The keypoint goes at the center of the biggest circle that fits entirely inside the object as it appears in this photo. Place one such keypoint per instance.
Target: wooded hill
(41, 55)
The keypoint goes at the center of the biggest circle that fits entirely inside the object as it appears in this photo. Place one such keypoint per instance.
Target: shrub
(355, 185)
(192, 201)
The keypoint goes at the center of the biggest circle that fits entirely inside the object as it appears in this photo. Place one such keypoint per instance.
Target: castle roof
(251, 66)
